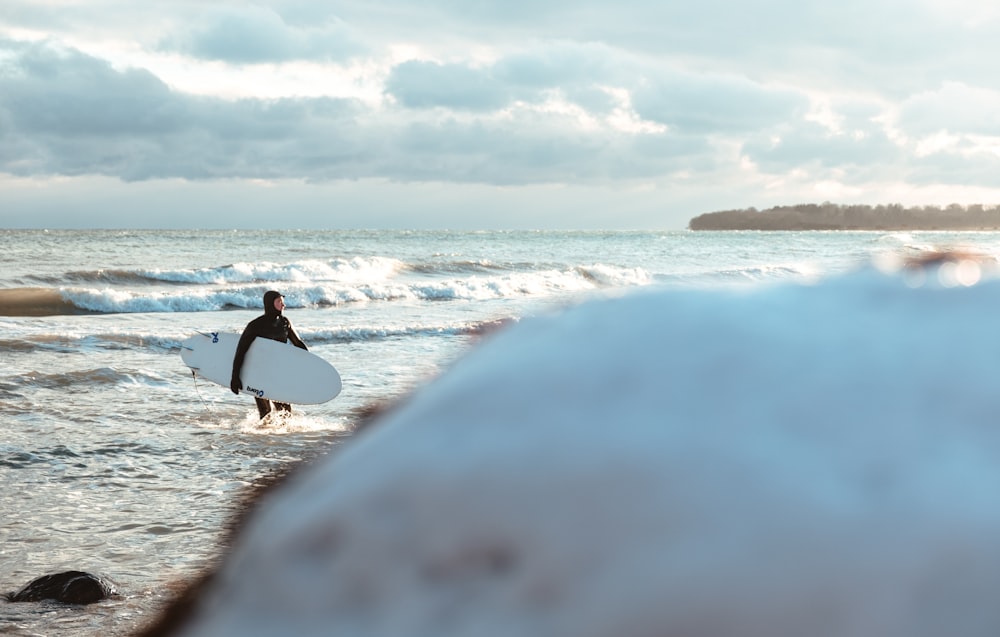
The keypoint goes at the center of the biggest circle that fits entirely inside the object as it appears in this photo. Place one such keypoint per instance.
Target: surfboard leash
(197, 390)
(194, 377)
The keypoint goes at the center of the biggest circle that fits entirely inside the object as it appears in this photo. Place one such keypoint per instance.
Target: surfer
(275, 326)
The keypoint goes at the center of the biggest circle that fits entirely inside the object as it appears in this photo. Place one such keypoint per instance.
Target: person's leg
(263, 407)
(285, 407)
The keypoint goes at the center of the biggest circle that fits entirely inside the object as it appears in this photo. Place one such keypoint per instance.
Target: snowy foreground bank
(799, 460)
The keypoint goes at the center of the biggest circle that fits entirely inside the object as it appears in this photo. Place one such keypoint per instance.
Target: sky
(582, 114)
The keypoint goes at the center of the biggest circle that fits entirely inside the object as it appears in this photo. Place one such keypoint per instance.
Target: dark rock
(69, 587)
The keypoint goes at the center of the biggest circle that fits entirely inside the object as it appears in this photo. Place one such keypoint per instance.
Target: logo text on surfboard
(257, 392)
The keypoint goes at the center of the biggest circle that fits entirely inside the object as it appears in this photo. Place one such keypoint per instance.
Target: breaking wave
(306, 284)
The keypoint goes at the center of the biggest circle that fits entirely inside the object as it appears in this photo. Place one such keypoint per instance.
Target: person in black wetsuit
(275, 326)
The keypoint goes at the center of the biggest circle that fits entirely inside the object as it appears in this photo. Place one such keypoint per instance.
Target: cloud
(574, 71)
(418, 84)
(813, 144)
(73, 114)
(561, 63)
(954, 107)
(970, 165)
(542, 148)
(61, 92)
(713, 104)
(260, 35)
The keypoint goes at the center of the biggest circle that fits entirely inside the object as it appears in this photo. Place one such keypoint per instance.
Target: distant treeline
(828, 216)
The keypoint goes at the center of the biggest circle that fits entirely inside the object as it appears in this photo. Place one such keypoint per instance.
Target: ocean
(115, 459)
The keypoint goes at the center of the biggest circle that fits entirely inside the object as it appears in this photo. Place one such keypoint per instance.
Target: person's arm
(294, 337)
(235, 383)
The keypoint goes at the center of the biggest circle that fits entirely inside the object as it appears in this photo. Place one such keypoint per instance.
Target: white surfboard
(273, 370)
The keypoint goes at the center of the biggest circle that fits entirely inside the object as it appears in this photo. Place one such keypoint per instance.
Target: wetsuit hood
(269, 298)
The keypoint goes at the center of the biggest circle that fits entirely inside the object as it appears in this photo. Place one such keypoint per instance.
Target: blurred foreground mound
(798, 460)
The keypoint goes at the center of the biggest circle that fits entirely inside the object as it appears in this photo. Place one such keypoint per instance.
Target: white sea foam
(367, 282)
(282, 423)
(606, 275)
(342, 270)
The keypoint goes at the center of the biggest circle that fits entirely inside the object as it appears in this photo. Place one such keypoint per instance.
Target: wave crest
(311, 284)
(35, 302)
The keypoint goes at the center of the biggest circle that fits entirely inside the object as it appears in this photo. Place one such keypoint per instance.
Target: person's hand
(236, 384)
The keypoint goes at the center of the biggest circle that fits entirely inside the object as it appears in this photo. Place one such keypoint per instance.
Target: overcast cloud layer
(637, 114)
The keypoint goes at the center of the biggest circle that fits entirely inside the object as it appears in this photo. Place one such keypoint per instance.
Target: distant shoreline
(828, 216)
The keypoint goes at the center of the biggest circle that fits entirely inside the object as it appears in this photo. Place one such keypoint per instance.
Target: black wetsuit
(275, 326)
